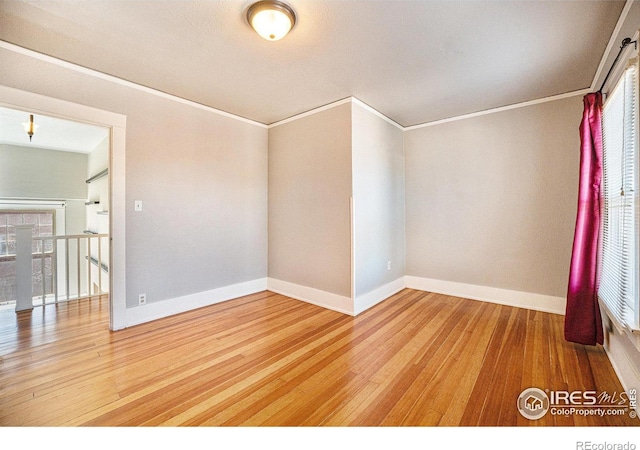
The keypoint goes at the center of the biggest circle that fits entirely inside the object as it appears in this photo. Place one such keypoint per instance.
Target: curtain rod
(625, 42)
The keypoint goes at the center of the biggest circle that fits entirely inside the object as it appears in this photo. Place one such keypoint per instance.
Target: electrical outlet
(137, 205)
(388, 265)
(142, 299)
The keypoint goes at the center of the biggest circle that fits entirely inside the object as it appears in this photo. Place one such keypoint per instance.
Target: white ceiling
(51, 133)
(415, 61)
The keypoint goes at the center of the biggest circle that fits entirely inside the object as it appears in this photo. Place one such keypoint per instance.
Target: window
(43, 225)
(42, 222)
(619, 262)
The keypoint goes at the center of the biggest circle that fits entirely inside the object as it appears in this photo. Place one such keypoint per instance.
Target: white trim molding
(170, 307)
(335, 302)
(343, 101)
(311, 112)
(84, 70)
(40, 104)
(370, 299)
(113, 79)
(377, 113)
(117, 227)
(311, 295)
(500, 109)
(353, 307)
(518, 299)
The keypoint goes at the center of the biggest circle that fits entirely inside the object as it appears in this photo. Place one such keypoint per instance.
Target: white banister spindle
(78, 265)
(42, 272)
(54, 270)
(66, 262)
(25, 245)
(89, 290)
(24, 268)
(100, 265)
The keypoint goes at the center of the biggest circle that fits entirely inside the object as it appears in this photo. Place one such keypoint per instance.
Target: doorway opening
(76, 225)
(54, 182)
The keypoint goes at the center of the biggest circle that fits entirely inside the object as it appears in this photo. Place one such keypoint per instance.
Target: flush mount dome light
(271, 19)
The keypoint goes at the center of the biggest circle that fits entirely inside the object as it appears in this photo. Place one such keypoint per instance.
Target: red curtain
(583, 323)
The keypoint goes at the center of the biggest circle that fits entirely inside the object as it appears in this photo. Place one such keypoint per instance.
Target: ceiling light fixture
(271, 19)
(30, 127)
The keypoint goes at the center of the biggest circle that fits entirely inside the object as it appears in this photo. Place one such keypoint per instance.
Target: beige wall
(378, 195)
(491, 200)
(40, 174)
(309, 201)
(96, 220)
(27, 172)
(98, 190)
(35, 173)
(202, 178)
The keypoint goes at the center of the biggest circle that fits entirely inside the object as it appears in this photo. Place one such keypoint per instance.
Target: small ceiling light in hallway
(271, 19)
(30, 127)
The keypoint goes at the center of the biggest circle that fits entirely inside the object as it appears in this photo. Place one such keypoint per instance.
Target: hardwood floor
(416, 359)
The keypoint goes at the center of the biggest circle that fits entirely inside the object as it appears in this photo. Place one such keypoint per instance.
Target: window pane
(3, 240)
(45, 230)
(11, 240)
(46, 219)
(42, 222)
(30, 218)
(37, 278)
(48, 245)
(7, 281)
(14, 219)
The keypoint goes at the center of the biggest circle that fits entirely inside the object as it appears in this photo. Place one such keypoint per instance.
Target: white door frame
(40, 104)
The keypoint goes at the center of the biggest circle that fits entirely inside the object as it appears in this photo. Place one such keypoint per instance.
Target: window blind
(618, 288)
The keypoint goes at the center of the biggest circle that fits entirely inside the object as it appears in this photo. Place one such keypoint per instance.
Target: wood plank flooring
(416, 359)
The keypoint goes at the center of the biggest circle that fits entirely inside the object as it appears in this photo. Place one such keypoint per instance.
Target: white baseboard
(366, 301)
(528, 300)
(343, 304)
(158, 310)
(336, 302)
(537, 302)
(311, 295)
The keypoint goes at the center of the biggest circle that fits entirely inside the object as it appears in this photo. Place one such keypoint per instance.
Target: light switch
(137, 205)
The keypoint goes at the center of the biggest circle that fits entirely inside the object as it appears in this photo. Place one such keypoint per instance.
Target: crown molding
(311, 112)
(122, 82)
(94, 73)
(500, 109)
